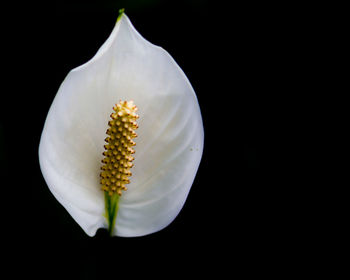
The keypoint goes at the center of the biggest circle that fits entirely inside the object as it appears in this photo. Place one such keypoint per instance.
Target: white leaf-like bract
(168, 147)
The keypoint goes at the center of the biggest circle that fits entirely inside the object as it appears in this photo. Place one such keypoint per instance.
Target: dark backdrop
(235, 58)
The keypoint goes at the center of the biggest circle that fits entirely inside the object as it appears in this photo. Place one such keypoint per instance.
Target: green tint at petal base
(111, 207)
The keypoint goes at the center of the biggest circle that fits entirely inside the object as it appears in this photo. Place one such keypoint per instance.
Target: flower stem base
(111, 208)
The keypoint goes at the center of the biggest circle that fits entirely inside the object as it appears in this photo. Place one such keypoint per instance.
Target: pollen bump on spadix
(117, 161)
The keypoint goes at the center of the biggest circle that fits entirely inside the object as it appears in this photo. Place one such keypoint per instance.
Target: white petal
(168, 148)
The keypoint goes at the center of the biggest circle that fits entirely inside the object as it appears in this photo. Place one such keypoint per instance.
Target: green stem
(111, 207)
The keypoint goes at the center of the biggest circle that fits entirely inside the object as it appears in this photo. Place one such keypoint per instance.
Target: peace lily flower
(93, 118)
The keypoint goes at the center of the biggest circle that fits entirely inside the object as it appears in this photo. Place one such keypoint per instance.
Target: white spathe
(168, 147)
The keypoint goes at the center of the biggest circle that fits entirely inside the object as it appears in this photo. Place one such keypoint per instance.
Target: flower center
(118, 150)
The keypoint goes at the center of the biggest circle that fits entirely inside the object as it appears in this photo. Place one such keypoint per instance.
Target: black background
(238, 58)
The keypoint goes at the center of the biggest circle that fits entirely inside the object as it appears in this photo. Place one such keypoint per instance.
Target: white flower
(168, 147)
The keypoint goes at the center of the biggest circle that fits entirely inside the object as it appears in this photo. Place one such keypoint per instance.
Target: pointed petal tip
(120, 14)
